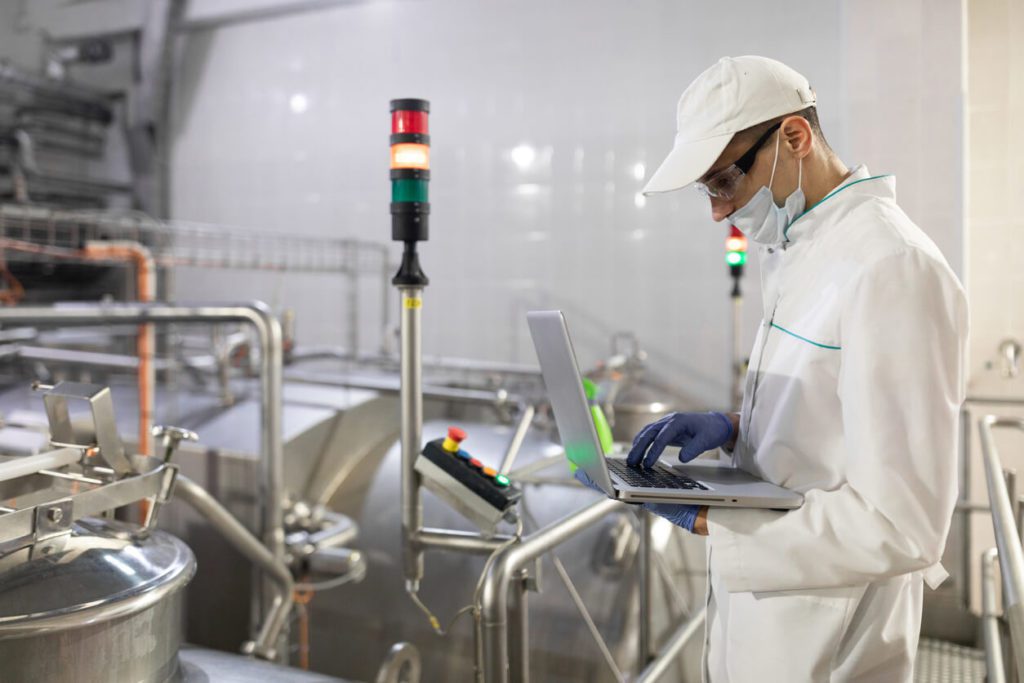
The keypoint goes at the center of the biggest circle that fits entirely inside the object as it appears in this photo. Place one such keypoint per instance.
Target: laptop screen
(565, 391)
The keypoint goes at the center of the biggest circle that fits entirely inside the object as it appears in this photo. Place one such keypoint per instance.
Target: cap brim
(686, 163)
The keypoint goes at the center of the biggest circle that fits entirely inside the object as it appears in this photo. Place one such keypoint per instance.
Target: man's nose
(721, 208)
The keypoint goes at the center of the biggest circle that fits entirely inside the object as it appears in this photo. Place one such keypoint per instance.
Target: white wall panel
(283, 124)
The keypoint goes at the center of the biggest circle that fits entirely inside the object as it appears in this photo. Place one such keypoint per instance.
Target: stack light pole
(410, 209)
(736, 258)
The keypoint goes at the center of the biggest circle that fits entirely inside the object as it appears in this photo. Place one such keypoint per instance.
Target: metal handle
(171, 437)
(1010, 352)
(401, 665)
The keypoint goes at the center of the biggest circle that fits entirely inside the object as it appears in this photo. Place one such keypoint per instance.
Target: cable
(435, 623)
(473, 607)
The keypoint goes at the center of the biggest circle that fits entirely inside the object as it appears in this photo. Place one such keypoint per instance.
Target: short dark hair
(810, 114)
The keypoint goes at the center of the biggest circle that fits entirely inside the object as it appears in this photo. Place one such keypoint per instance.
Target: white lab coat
(852, 398)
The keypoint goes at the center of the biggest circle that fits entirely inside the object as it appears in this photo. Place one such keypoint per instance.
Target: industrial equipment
(480, 493)
(108, 594)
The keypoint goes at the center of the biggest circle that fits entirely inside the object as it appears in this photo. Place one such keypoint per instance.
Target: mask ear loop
(776, 162)
(800, 174)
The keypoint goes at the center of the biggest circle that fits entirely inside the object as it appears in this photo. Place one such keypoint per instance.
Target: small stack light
(735, 249)
(410, 178)
(410, 150)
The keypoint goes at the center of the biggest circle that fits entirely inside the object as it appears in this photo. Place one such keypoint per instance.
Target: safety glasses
(723, 184)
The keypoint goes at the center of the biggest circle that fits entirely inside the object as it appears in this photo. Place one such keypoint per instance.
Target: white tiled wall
(995, 64)
(546, 117)
(903, 108)
(996, 187)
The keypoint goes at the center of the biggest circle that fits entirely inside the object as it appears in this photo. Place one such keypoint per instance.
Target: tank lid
(101, 570)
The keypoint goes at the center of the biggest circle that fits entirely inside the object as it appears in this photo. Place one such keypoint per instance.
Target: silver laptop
(706, 484)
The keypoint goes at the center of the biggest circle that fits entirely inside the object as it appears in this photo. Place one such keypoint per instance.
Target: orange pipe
(145, 290)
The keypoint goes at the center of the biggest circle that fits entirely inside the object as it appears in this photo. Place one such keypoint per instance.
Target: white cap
(733, 95)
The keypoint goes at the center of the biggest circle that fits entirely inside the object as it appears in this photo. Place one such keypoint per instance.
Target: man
(852, 397)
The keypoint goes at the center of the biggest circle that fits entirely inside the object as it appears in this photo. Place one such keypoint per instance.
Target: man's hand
(693, 433)
(693, 518)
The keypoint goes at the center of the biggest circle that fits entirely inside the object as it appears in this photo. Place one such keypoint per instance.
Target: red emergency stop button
(454, 438)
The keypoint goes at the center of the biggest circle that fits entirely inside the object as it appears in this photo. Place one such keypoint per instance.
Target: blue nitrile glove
(681, 515)
(693, 433)
(684, 516)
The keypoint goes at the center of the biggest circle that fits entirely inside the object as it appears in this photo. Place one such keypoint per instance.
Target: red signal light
(405, 121)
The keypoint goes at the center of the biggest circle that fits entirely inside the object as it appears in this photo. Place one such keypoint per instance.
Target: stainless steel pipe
(990, 619)
(645, 556)
(519, 628)
(669, 654)
(265, 643)
(31, 464)
(268, 330)
(527, 412)
(495, 398)
(1011, 555)
(411, 399)
(461, 541)
(494, 602)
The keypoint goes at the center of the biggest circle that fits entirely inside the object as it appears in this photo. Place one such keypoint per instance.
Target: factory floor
(946, 652)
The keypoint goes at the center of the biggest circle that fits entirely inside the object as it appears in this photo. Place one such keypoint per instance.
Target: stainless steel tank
(104, 606)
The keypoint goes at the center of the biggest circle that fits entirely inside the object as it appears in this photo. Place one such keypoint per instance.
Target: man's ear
(797, 136)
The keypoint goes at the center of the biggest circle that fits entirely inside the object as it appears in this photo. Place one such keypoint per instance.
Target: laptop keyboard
(654, 478)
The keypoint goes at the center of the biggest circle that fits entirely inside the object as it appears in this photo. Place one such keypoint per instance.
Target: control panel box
(478, 492)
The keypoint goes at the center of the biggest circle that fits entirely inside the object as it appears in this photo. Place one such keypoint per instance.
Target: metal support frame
(669, 654)
(737, 375)
(265, 643)
(1004, 523)
(504, 652)
(645, 557)
(516, 442)
(990, 619)
(519, 621)
(411, 398)
(268, 330)
(495, 589)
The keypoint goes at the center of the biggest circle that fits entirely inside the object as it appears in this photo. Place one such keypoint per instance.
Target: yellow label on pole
(414, 302)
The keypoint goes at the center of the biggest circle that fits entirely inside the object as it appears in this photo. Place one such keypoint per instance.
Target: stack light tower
(736, 258)
(410, 210)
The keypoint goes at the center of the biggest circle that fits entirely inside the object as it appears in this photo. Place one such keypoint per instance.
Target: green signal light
(736, 258)
(409, 190)
(501, 480)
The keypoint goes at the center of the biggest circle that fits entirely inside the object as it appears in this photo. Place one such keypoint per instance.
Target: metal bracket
(52, 526)
(104, 427)
(532, 577)
(167, 484)
(29, 524)
(53, 519)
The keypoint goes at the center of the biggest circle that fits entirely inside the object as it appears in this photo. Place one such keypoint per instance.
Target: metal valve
(170, 437)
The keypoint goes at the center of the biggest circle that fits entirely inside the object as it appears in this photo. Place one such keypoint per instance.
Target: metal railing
(503, 652)
(199, 245)
(43, 234)
(1002, 499)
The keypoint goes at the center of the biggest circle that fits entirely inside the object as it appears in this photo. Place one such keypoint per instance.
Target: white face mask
(761, 219)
